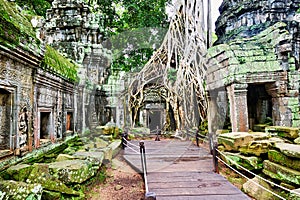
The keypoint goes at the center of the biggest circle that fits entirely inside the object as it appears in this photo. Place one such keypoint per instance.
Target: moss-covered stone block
(50, 195)
(233, 141)
(291, 150)
(72, 171)
(15, 190)
(62, 157)
(282, 159)
(256, 147)
(19, 172)
(281, 173)
(115, 146)
(282, 131)
(95, 158)
(249, 162)
(257, 192)
(40, 174)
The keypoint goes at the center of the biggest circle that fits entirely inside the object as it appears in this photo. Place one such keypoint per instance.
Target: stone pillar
(212, 112)
(237, 94)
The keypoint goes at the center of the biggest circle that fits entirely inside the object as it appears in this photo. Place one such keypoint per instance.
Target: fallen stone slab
(282, 159)
(258, 147)
(282, 131)
(72, 171)
(249, 162)
(233, 141)
(257, 192)
(115, 146)
(40, 174)
(281, 173)
(50, 195)
(19, 172)
(96, 158)
(291, 150)
(17, 190)
(62, 157)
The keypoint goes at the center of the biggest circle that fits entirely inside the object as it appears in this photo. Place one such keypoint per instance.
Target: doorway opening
(259, 105)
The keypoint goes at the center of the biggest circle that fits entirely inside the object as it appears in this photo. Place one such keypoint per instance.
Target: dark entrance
(5, 113)
(259, 105)
(45, 125)
(154, 120)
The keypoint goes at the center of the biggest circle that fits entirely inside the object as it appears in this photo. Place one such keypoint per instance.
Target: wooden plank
(206, 197)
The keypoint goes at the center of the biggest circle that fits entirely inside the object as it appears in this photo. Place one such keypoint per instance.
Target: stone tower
(74, 30)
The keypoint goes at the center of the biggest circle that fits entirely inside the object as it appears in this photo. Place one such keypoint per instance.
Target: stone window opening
(259, 105)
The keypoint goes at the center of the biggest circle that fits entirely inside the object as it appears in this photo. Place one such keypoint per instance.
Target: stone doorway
(45, 126)
(5, 118)
(69, 122)
(259, 105)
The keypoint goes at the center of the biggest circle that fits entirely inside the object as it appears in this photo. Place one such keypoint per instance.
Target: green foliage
(35, 7)
(129, 18)
(172, 75)
(14, 27)
(55, 62)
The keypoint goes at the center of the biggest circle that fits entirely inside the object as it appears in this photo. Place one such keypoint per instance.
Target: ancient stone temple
(37, 89)
(253, 69)
(73, 29)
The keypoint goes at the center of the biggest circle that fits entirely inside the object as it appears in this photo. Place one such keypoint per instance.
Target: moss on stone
(56, 63)
(19, 172)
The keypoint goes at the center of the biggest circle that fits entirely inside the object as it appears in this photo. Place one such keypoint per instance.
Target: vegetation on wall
(55, 62)
(14, 27)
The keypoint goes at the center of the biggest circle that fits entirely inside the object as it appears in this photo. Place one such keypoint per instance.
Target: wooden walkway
(181, 170)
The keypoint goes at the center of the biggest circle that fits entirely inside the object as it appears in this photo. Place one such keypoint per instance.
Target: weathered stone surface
(115, 146)
(40, 174)
(72, 171)
(19, 172)
(259, 127)
(297, 140)
(95, 158)
(257, 192)
(19, 190)
(292, 150)
(50, 195)
(100, 143)
(281, 173)
(233, 141)
(282, 131)
(249, 162)
(260, 135)
(62, 157)
(282, 159)
(257, 147)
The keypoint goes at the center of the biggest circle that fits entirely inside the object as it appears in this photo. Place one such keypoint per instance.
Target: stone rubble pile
(63, 177)
(273, 154)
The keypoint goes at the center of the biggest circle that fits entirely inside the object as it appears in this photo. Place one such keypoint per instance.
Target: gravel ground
(122, 183)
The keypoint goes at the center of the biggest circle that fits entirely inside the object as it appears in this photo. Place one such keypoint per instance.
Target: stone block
(282, 159)
(19, 190)
(259, 127)
(282, 131)
(19, 172)
(72, 171)
(291, 150)
(115, 146)
(100, 143)
(62, 157)
(281, 173)
(249, 162)
(257, 192)
(297, 140)
(256, 147)
(40, 174)
(233, 141)
(94, 157)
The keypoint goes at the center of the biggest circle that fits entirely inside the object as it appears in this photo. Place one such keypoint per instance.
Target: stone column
(237, 94)
(212, 112)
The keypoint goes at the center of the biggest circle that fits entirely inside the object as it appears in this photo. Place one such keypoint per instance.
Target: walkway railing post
(148, 195)
(215, 159)
(124, 139)
(197, 137)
